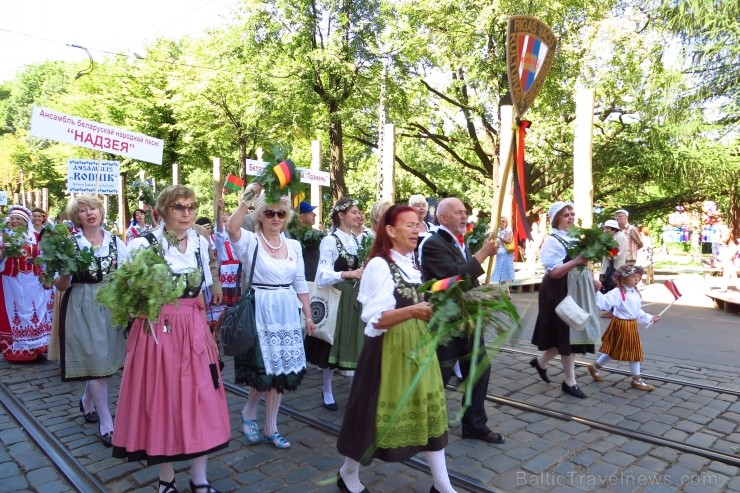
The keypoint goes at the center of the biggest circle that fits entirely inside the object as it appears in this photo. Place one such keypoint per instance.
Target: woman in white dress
(91, 348)
(339, 267)
(24, 323)
(277, 362)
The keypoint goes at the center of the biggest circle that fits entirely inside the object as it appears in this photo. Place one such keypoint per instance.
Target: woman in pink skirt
(171, 407)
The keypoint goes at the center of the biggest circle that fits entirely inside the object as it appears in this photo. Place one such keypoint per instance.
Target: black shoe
(169, 487)
(490, 437)
(204, 488)
(575, 391)
(91, 417)
(433, 490)
(330, 407)
(536, 366)
(343, 487)
(106, 438)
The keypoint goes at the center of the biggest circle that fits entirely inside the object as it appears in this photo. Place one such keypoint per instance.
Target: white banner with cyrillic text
(254, 167)
(50, 124)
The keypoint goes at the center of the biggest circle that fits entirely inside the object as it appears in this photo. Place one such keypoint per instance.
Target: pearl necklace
(273, 249)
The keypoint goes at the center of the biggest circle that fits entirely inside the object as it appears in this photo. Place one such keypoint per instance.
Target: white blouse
(269, 270)
(377, 288)
(629, 308)
(104, 249)
(553, 252)
(180, 262)
(328, 253)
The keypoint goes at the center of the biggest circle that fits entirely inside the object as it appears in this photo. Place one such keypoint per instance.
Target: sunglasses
(182, 207)
(269, 214)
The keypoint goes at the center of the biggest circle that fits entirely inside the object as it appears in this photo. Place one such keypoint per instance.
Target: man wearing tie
(445, 255)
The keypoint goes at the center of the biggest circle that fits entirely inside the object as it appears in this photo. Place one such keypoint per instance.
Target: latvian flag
(233, 183)
(673, 289)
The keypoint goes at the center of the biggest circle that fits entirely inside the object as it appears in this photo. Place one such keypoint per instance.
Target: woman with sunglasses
(171, 405)
(277, 362)
(562, 277)
(340, 267)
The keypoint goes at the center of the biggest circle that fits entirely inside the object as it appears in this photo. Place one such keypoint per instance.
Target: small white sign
(50, 124)
(3, 198)
(254, 167)
(85, 176)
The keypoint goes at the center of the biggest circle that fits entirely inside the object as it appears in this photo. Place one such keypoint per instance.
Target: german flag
(297, 198)
(285, 172)
(443, 284)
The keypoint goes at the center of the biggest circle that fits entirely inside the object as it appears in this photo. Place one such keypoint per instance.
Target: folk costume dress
(228, 262)
(385, 371)
(503, 271)
(168, 407)
(621, 341)
(90, 346)
(25, 325)
(549, 329)
(338, 253)
(137, 230)
(278, 360)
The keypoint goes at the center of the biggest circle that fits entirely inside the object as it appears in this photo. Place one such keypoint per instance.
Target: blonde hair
(417, 199)
(81, 201)
(376, 213)
(169, 195)
(283, 205)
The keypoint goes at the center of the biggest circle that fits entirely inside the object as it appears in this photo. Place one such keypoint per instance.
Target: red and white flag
(671, 286)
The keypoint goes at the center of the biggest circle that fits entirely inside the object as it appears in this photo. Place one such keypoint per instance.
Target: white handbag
(324, 307)
(572, 314)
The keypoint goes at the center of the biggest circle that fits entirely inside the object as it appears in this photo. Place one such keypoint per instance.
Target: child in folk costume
(621, 341)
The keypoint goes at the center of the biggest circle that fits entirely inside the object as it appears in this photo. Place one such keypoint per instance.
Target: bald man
(445, 255)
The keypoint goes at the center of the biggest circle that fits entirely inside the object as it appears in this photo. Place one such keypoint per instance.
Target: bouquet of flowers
(592, 243)
(141, 286)
(366, 244)
(14, 242)
(306, 235)
(146, 195)
(59, 254)
(477, 235)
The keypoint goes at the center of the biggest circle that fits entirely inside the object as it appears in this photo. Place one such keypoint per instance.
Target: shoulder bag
(238, 324)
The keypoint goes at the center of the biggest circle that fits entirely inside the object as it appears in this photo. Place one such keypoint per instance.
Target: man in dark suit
(445, 255)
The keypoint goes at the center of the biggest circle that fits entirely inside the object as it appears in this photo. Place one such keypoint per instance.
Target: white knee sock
(328, 374)
(249, 411)
(569, 371)
(99, 390)
(635, 368)
(603, 359)
(198, 474)
(272, 404)
(546, 357)
(350, 472)
(436, 462)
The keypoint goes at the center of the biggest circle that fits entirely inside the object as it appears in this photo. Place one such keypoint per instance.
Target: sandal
(206, 488)
(641, 385)
(277, 440)
(169, 487)
(251, 430)
(595, 373)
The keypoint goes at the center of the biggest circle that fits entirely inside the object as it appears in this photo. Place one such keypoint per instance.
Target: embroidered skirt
(375, 424)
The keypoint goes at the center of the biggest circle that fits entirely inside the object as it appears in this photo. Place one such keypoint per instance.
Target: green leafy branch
(60, 255)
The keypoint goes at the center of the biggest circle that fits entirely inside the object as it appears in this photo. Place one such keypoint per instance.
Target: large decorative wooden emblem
(530, 48)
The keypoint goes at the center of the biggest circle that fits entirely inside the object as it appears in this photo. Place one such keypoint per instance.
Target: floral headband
(627, 270)
(343, 207)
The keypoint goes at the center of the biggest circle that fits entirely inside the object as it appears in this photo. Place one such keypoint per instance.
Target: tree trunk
(242, 157)
(336, 154)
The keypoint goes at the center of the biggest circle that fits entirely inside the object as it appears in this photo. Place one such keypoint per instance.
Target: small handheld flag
(671, 286)
(443, 284)
(673, 289)
(233, 183)
(285, 172)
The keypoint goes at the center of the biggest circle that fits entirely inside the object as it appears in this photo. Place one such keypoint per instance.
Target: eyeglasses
(182, 208)
(569, 214)
(269, 214)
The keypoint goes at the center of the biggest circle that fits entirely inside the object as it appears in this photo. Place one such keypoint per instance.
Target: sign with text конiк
(89, 176)
(50, 124)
